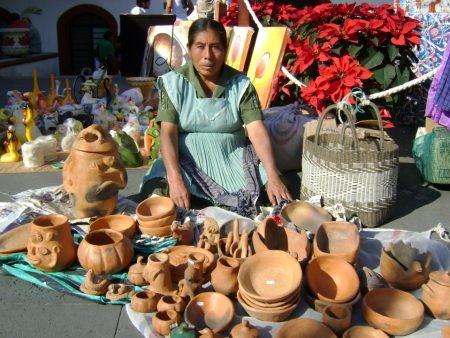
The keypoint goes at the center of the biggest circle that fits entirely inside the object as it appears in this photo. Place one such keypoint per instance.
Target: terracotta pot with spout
(157, 273)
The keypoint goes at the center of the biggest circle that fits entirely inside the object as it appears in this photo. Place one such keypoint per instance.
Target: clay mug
(144, 301)
(436, 294)
(337, 317)
(171, 302)
(224, 276)
(157, 273)
(136, 272)
(244, 330)
(50, 244)
(164, 321)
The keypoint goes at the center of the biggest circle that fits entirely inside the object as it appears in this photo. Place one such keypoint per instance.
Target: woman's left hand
(277, 191)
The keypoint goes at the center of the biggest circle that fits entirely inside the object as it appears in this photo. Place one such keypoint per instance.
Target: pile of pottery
(269, 285)
(155, 216)
(236, 244)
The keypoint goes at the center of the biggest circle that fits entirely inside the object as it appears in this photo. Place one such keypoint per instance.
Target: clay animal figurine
(12, 146)
(94, 284)
(28, 121)
(192, 282)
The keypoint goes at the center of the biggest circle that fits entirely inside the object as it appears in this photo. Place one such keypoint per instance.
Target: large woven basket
(359, 173)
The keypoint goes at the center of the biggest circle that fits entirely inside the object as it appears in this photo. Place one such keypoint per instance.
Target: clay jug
(224, 276)
(436, 294)
(244, 330)
(136, 272)
(157, 273)
(93, 173)
(171, 302)
(50, 244)
(163, 321)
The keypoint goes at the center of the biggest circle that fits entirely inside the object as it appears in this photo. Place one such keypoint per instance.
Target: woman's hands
(179, 193)
(277, 191)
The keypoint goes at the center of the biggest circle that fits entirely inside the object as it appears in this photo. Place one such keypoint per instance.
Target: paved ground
(30, 311)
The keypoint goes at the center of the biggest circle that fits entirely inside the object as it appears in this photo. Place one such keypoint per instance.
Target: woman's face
(207, 54)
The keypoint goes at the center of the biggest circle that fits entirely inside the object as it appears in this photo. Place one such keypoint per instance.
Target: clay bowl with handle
(155, 207)
(394, 311)
(122, 223)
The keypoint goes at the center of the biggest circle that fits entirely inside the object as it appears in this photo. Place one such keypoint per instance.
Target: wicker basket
(359, 173)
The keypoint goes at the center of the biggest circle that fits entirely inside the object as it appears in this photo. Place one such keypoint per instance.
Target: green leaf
(373, 58)
(384, 76)
(354, 49)
(337, 50)
(403, 74)
(392, 52)
(375, 40)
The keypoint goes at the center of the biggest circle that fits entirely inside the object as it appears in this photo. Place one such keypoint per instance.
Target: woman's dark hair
(203, 24)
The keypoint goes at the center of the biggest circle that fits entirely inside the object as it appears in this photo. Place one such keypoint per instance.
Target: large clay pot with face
(50, 244)
(93, 173)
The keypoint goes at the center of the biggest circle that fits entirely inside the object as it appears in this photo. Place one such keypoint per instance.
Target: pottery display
(224, 276)
(340, 239)
(332, 279)
(105, 251)
(93, 173)
(394, 311)
(236, 244)
(157, 273)
(403, 267)
(318, 305)
(337, 317)
(50, 245)
(209, 309)
(154, 208)
(436, 294)
(119, 291)
(171, 302)
(305, 215)
(94, 285)
(244, 330)
(144, 301)
(305, 328)
(210, 234)
(162, 322)
(15, 240)
(122, 223)
(136, 272)
(360, 331)
(243, 224)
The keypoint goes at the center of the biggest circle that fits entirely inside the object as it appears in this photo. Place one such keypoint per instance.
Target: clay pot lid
(270, 276)
(305, 215)
(154, 208)
(360, 331)
(332, 279)
(305, 328)
(95, 139)
(441, 277)
(209, 309)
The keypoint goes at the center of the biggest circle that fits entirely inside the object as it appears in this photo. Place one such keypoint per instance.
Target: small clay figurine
(94, 285)
(210, 235)
(12, 146)
(192, 282)
(183, 233)
(28, 121)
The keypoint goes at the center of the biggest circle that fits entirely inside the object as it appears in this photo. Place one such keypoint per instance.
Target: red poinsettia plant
(333, 48)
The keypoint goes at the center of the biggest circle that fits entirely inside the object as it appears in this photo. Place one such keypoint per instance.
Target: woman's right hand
(178, 193)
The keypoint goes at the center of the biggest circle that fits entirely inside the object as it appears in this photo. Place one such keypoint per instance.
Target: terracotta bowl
(161, 231)
(340, 239)
(394, 311)
(244, 224)
(157, 223)
(122, 223)
(360, 331)
(305, 215)
(209, 309)
(332, 279)
(270, 276)
(305, 328)
(318, 305)
(154, 207)
(268, 315)
(288, 302)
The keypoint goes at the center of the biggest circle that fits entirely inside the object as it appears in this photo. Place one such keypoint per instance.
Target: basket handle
(380, 123)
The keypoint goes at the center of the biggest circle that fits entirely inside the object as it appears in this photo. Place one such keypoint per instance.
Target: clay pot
(305, 215)
(160, 232)
(162, 222)
(105, 251)
(436, 294)
(136, 272)
(122, 223)
(154, 208)
(171, 302)
(318, 305)
(93, 173)
(224, 276)
(209, 309)
(157, 273)
(340, 239)
(403, 267)
(279, 306)
(364, 332)
(144, 301)
(270, 276)
(332, 279)
(305, 328)
(244, 330)
(50, 244)
(162, 322)
(337, 317)
(394, 311)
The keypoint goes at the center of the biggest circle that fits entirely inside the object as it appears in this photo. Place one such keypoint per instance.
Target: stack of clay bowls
(155, 216)
(269, 285)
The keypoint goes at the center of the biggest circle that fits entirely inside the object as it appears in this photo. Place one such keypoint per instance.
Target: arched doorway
(79, 28)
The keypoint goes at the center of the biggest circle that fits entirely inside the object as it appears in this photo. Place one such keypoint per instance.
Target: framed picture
(238, 45)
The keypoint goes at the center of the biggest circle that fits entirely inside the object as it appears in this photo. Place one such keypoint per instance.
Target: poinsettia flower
(314, 94)
(407, 32)
(348, 32)
(321, 52)
(305, 57)
(286, 13)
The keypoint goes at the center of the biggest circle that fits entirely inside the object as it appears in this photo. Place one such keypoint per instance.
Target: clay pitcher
(50, 244)
(157, 273)
(436, 294)
(224, 276)
(93, 173)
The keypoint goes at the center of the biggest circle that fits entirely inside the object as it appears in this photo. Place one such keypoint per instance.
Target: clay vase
(244, 330)
(224, 276)
(163, 321)
(171, 302)
(93, 173)
(105, 251)
(50, 244)
(337, 317)
(144, 301)
(436, 294)
(157, 273)
(136, 272)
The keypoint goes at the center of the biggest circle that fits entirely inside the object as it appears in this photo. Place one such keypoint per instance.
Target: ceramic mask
(44, 249)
